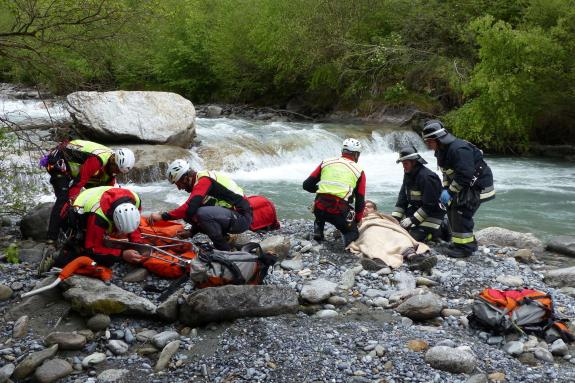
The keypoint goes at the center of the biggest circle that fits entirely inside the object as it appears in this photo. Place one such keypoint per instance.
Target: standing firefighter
(417, 207)
(81, 164)
(467, 182)
(338, 182)
(216, 206)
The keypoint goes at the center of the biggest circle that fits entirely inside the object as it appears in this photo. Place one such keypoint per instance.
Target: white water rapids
(273, 159)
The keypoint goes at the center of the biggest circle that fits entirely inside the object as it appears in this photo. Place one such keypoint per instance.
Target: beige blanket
(380, 236)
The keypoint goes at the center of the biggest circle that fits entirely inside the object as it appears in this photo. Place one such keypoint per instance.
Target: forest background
(500, 73)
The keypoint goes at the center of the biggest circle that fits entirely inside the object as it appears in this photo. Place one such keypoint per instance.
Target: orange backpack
(523, 310)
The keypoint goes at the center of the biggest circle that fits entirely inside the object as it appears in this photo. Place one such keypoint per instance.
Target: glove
(445, 197)
(406, 223)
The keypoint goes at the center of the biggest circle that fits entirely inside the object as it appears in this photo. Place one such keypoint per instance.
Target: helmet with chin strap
(177, 169)
(410, 153)
(351, 145)
(125, 159)
(434, 129)
(126, 218)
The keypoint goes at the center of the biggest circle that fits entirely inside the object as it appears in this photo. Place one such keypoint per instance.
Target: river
(272, 159)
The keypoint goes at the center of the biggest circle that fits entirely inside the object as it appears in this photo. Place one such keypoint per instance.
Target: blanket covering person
(381, 237)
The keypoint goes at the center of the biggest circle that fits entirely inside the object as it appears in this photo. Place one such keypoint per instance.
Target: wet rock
(5, 292)
(510, 280)
(145, 117)
(421, 307)
(213, 111)
(27, 366)
(318, 290)
(561, 277)
(559, 348)
(34, 224)
(99, 322)
(167, 353)
(524, 256)
(294, 264)
(146, 335)
(138, 275)
(93, 359)
(496, 377)
(449, 359)
(513, 348)
(231, 302)
(66, 340)
(112, 375)
(168, 310)
(504, 237)
(417, 345)
(162, 339)
(92, 296)
(6, 371)
(118, 347)
(563, 244)
(544, 355)
(21, 327)
(278, 245)
(322, 314)
(53, 370)
(451, 313)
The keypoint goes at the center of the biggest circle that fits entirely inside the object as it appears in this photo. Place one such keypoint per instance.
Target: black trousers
(61, 184)
(461, 224)
(217, 221)
(347, 229)
(422, 234)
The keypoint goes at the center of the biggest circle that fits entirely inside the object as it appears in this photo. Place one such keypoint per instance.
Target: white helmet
(352, 145)
(126, 218)
(177, 169)
(124, 159)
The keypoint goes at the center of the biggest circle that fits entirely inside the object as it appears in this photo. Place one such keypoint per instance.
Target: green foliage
(502, 67)
(12, 254)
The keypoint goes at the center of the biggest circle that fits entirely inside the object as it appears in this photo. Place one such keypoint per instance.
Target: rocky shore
(331, 320)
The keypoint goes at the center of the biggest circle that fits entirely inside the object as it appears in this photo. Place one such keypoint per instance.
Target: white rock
(318, 290)
(381, 302)
(559, 348)
(449, 359)
(513, 348)
(95, 358)
(322, 314)
(510, 280)
(373, 293)
(147, 117)
(118, 347)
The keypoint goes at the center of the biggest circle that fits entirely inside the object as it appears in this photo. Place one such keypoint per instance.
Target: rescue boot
(422, 262)
(318, 232)
(458, 252)
(374, 264)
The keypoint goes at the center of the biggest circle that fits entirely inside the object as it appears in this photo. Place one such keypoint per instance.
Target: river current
(273, 159)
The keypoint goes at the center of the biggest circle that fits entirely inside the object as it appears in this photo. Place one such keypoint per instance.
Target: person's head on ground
(370, 207)
(182, 175)
(410, 158)
(351, 148)
(122, 161)
(434, 135)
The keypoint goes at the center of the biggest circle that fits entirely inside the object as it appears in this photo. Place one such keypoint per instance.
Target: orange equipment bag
(523, 310)
(167, 268)
(162, 228)
(264, 214)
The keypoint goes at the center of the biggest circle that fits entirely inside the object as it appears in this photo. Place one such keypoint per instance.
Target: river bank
(354, 333)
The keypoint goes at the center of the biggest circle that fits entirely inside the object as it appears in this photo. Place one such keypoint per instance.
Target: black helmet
(410, 153)
(435, 129)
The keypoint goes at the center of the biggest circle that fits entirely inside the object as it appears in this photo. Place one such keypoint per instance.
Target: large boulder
(144, 117)
(215, 304)
(34, 224)
(92, 296)
(152, 162)
(505, 237)
(421, 307)
(563, 244)
(561, 277)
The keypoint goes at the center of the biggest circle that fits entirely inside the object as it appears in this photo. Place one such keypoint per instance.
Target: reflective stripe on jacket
(224, 181)
(339, 177)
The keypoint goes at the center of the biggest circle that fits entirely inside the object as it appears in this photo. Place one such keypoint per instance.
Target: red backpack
(264, 214)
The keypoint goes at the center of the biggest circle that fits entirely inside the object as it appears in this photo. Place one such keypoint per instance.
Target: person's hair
(371, 202)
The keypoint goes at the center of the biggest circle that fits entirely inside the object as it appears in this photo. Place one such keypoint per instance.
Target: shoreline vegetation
(500, 73)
